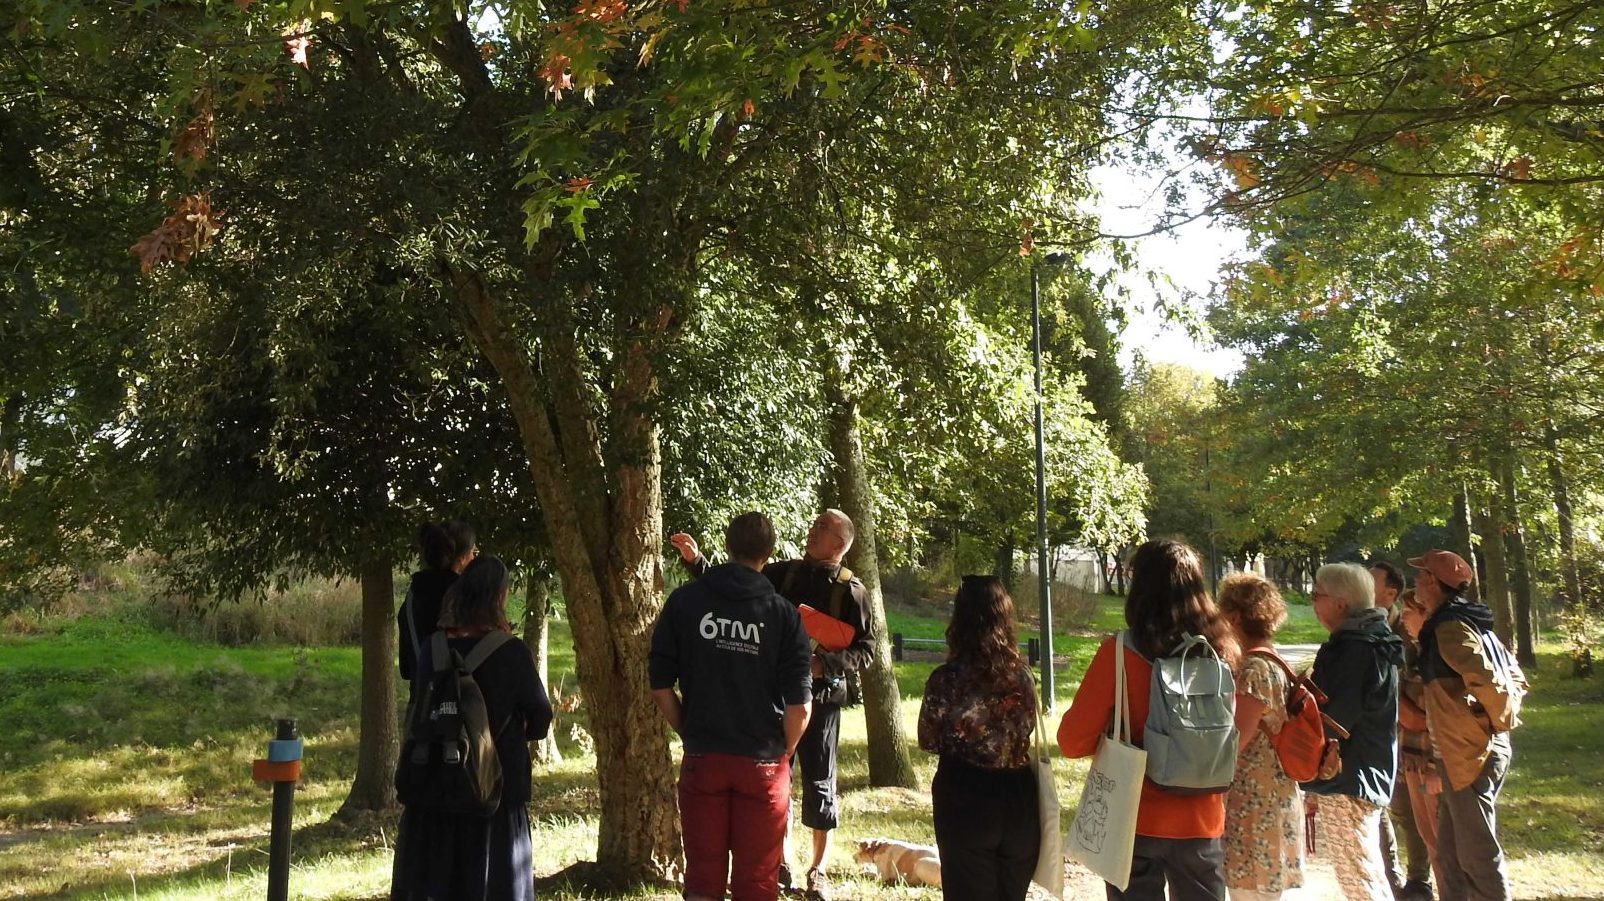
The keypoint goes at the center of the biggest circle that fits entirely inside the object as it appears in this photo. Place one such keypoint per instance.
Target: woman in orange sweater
(1177, 837)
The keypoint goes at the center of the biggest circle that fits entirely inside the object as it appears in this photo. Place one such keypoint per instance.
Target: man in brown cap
(1473, 690)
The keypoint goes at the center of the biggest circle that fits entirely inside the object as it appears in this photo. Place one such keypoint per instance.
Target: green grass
(125, 757)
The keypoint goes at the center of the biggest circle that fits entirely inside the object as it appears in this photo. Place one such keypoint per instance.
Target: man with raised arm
(822, 583)
(739, 654)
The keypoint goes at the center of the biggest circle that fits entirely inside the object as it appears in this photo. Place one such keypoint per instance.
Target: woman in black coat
(464, 857)
(447, 548)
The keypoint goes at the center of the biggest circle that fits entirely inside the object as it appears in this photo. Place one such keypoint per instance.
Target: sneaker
(818, 886)
(1415, 890)
(786, 882)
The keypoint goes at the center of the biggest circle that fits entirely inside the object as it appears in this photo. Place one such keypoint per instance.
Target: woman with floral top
(978, 714)
(1263, 838)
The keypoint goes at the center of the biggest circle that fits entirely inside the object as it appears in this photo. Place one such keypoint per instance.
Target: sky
(1187, 261)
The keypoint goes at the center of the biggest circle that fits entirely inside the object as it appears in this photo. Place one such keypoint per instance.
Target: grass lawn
(125, 758)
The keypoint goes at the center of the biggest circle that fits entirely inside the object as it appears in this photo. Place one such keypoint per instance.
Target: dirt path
(1318, 884)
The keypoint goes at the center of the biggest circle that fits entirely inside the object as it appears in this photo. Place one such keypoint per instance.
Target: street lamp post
(1044, 579)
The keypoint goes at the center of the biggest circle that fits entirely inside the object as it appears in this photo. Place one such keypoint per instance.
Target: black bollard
(278, 860)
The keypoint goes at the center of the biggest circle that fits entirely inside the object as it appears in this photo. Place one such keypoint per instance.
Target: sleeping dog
(894, 860)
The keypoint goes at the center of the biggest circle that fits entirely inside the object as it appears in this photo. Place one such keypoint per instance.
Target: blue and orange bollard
(282, 768)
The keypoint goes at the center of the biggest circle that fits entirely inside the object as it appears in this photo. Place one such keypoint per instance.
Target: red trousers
(732, 811)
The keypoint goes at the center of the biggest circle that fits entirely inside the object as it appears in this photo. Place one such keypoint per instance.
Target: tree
(690, 114)
(1437, 346)
(1499, 93)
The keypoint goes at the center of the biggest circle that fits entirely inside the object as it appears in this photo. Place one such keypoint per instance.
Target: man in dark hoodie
(739, 654)
(820, 581)
(1358, 669)
(1472, 699)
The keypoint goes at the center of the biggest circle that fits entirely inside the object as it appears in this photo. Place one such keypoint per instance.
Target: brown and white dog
(894, 860)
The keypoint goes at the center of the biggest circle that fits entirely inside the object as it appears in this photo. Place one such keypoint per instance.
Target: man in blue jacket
(739, 655)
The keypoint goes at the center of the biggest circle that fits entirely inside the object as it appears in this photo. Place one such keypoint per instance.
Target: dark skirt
(449, 857)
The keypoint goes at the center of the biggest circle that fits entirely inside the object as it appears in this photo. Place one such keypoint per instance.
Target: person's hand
(686, 545)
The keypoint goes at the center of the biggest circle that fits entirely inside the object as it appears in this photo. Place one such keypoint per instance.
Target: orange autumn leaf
(186, 231)
(197, 137)
(577, 183)
(602, 11)
(557, 76)
(748, 108)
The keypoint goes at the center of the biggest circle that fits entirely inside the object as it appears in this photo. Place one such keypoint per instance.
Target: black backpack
(448, 759)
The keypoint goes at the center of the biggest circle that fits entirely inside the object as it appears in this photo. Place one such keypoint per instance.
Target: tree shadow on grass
(340, 835)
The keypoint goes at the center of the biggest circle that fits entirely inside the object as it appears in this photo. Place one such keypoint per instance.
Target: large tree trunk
(1519, 570)
(889, 763)
(1495, 593)
(537, 637)
(10, 420)
(378, 739)
(607, 532)
(1003, 564)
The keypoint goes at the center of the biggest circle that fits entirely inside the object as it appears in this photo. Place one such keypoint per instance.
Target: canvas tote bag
(1050, 859)
(1103, 835)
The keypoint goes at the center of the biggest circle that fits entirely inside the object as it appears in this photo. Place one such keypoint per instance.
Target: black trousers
(816, 756)
(986, 829)
(1194, 868)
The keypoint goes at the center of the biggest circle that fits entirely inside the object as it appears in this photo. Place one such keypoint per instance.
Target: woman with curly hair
(1263, 838)
(978, 714)
(1177, 836)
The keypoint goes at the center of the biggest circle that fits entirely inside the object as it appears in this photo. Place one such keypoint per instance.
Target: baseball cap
(1446, 566)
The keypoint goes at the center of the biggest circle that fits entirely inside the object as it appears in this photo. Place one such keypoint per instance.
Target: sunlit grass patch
(154, 791)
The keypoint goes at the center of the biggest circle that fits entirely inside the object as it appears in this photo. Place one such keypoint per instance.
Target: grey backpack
(1191, 735)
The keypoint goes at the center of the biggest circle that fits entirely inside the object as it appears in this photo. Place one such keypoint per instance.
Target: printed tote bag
(1050, 859)
(1103, 834)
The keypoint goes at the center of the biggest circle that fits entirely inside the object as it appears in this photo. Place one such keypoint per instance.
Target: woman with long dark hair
(978, 714)
(462, 856)
(1177, 836)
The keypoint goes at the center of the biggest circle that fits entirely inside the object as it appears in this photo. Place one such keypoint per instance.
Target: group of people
(1416, 679)
(466, 856)
(737, 677)
(1421, 687)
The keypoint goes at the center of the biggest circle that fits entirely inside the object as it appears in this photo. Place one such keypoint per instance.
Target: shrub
(311, 613)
